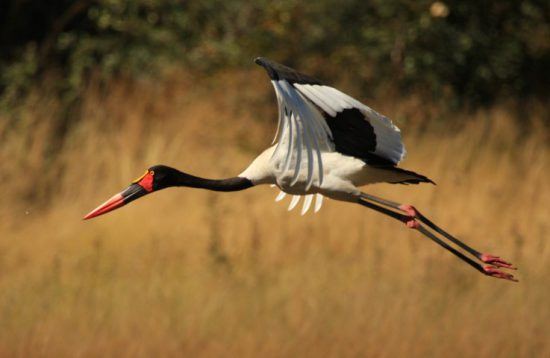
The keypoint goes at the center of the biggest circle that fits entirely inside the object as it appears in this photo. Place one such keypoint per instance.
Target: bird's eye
(152, 172)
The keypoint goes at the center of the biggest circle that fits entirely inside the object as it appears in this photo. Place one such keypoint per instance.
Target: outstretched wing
(314, 118)
(302, 132)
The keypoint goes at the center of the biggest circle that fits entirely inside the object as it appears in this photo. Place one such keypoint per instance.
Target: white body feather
(342, 175)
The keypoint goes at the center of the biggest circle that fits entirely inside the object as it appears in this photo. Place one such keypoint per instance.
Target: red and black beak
(128, 195)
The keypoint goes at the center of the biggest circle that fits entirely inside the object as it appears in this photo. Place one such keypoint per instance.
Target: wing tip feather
(277, 71)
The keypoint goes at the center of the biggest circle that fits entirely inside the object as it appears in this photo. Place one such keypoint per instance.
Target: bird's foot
(411, 215)
(496, 261)
(494, 272)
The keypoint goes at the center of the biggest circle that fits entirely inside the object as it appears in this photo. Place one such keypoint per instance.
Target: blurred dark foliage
(466, 52)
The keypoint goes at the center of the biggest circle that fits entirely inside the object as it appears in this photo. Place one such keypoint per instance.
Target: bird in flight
(327, 144)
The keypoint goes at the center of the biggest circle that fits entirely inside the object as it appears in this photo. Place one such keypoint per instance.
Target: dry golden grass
(192, 273)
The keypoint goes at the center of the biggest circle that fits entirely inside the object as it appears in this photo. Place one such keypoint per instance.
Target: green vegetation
(464, 52)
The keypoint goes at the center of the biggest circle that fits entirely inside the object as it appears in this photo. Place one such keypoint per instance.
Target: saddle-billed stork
(327, 144)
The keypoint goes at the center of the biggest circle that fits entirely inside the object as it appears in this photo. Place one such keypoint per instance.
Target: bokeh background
(94, 92)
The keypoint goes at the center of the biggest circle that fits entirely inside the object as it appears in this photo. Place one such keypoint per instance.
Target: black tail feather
(417, 178)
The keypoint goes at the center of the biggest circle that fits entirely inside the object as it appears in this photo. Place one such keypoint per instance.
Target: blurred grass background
(94, 92)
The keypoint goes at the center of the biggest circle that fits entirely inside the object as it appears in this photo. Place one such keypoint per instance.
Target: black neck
(230, 184)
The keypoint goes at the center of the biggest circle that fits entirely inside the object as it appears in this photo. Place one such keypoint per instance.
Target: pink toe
(494, 272)
(496, 261)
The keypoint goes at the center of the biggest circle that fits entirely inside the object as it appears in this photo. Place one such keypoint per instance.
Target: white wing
(308, 114)
(302, 135)
(387, 136)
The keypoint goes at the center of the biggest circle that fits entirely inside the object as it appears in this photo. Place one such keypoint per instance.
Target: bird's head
(155, 178)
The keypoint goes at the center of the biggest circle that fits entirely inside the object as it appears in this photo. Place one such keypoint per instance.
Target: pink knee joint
(409, 209)
(411, 213)
(412, 223)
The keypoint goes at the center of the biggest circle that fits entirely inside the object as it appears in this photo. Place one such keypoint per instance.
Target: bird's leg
(486, 270)
(413, 215)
